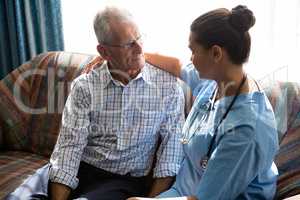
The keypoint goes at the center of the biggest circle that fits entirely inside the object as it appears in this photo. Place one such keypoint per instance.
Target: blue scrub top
(191, 77)
(241, 165)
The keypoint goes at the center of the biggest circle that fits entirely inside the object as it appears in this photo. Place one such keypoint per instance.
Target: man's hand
(160, 185)
(171, 198)
(59, 191)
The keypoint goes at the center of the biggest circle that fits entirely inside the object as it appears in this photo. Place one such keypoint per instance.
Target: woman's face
(200, 58)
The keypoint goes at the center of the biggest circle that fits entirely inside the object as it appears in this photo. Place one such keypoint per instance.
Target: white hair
(102, 22)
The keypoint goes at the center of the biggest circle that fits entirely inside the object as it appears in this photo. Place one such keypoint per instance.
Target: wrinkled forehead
(124, 31)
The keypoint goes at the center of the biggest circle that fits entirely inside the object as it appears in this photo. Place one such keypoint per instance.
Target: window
(275, 36)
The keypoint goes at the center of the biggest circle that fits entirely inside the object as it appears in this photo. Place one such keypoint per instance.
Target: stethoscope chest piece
(204, 162)
(184, 140)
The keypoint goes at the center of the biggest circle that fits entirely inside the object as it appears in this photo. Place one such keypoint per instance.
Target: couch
(32, 98)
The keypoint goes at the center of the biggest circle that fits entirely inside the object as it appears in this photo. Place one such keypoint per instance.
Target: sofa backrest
(285, 99)
(32, 98)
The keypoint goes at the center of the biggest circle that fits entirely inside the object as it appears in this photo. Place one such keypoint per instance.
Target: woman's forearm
(166, 63)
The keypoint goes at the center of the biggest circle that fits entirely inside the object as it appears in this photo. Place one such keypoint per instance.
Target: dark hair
(228, 29)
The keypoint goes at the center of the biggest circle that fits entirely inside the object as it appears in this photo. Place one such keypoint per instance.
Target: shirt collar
(106, 76)
(146, 73)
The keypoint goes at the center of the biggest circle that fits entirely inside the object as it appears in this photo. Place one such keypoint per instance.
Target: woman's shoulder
(256, 106)
(254, 111)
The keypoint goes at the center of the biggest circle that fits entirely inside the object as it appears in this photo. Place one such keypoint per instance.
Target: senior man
(117, 120)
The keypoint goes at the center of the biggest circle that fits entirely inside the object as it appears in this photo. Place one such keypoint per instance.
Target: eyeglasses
(129, 45)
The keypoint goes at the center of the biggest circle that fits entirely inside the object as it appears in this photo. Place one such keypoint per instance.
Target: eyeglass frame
(129, 45)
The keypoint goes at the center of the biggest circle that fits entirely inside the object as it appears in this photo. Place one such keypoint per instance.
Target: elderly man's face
(125, 51)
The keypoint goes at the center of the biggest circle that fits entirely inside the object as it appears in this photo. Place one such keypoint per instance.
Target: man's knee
(34, 187)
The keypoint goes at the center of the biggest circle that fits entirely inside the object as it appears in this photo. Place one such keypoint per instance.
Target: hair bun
(241, 18)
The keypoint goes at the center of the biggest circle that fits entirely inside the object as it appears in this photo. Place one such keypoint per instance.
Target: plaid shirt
(117, 128)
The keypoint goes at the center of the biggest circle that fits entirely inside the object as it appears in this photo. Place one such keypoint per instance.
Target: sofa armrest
(285, 100)
(296, 197)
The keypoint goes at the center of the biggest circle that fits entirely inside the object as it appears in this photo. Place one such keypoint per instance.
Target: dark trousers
(94, 183)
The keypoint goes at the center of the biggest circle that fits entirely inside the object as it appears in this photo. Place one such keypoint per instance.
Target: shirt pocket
(103, 129)
(141, 130)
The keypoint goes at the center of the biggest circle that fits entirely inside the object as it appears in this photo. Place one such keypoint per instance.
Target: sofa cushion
(15, 167)
(285, 99)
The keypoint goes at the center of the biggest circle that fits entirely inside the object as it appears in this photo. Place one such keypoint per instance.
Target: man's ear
(216, 53)
(103, 52)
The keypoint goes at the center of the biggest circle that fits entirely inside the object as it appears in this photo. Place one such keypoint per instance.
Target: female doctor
(229, 137)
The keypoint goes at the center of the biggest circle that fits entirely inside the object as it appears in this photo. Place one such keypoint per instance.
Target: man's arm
(59, 191)
(169, 154)
(72, 139)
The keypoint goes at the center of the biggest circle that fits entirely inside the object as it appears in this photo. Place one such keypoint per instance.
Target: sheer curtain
(275, 36)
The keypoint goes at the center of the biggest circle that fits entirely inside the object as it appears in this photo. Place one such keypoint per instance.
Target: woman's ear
(216, 53)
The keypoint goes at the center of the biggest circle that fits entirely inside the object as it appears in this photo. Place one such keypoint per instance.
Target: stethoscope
(205, 109)
(185, 139)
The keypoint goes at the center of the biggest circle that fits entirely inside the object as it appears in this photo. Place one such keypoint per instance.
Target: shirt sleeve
(191, 77)
(72, 139)
(233, 165)
(170, 154)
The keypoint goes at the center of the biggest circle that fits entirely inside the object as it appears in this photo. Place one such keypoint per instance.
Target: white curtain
(275, 36)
